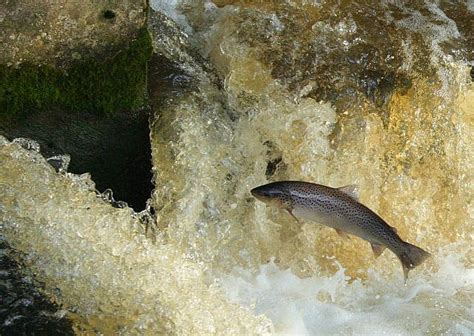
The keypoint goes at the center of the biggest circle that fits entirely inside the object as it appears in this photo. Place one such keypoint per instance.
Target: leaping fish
(339, 208)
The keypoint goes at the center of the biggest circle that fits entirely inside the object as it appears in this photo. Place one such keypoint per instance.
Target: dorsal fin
(351, 190)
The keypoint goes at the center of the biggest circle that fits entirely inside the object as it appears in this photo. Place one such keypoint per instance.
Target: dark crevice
(108, 15)
(272, 167)
(115, 150)
(165, 80)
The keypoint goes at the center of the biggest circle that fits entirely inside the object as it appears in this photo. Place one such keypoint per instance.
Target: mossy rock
(99, 86)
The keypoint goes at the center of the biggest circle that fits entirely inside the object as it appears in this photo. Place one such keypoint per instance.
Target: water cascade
(339, 94)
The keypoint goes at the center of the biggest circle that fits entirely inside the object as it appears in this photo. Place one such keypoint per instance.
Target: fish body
(340, 209)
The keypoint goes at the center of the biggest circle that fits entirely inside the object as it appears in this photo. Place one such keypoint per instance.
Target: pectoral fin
(377, 249)
(342, 234)
(291, 213)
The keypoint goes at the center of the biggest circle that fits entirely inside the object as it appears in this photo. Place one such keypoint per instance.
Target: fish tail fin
(410, 257)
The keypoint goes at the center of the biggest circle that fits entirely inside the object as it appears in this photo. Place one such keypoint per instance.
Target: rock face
(73, 77)
(83, 58)
(56, 32)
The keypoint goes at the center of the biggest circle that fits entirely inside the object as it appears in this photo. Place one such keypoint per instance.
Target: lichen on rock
(102, 86)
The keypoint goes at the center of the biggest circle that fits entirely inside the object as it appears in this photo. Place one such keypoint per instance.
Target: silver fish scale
(336, 209)
(352, 216)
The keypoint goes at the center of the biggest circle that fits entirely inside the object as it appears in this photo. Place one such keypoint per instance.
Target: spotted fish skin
(341, 211)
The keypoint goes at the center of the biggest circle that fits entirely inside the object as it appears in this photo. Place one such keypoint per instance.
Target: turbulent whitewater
(381, 97)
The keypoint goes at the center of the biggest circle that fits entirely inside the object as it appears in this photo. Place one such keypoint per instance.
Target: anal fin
(405, 273)
(377, 249)
(342, 234)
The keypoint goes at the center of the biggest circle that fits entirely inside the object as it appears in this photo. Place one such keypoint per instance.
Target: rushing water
(377, 96)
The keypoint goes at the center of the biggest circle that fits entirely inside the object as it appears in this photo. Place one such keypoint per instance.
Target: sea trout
(339, 208)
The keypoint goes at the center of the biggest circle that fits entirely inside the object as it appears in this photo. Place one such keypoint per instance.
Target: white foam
(322, 305)
(444, 30)
(171, 9)
(470, 5)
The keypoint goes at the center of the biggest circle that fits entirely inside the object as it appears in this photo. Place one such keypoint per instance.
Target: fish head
(272, 194)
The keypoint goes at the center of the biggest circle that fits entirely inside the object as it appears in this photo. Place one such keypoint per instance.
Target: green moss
(94, 85)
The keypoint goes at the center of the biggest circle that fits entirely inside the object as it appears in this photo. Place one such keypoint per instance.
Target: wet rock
(52, 32)
(463, 17)
(73, 77)
(24, 310)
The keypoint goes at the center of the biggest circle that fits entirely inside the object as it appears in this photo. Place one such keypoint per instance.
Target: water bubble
(11, 320)
(120, 204)
(83, 180)
(3, 141)
(60, 162)
(27, 144)
(179, 80)
(108, 196)
(148, 218)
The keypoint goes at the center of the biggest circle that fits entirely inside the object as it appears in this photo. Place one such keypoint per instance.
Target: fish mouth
(263, 193)
(255, 192)
(260, 193)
